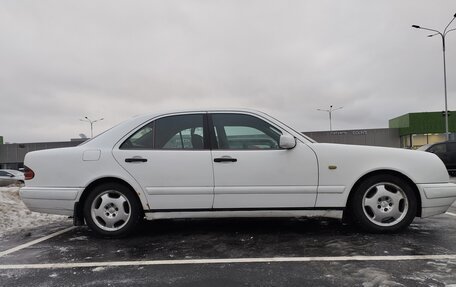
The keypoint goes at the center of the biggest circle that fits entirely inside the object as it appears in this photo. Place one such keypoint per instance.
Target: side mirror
(287, 141)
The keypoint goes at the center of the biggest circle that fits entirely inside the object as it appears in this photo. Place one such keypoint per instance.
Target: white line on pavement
(449, 213)
(226, 261)
(33, 242)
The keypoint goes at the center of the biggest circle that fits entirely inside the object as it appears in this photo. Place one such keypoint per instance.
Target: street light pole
(443, 35)
(86, 119)
(329, 111)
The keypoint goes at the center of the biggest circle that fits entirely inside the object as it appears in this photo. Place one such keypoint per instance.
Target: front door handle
(225, 159)
(136, 159)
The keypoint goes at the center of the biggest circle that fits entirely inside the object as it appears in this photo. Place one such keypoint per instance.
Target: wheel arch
(78, 217)
(389, 172)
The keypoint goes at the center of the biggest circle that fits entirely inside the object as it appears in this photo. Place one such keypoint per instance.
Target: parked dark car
(446, 151)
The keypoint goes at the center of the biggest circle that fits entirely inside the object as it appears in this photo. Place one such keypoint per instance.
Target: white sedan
(11, 176)
(230, 163)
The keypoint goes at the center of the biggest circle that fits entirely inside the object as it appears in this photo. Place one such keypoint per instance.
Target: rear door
(171, 160)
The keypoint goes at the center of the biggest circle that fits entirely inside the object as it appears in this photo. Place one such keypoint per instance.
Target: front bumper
(54, 200)
(436, 198)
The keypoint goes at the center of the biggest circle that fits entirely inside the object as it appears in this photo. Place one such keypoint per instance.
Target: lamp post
(442, 35)
(86, 119)
(329, 111)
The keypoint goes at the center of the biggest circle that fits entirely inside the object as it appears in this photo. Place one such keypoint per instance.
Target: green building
(417, 129)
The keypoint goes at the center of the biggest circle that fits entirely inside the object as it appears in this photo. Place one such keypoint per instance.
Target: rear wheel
(112, 210)
(383, 203)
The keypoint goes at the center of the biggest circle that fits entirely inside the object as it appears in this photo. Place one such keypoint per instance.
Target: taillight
(28, 173)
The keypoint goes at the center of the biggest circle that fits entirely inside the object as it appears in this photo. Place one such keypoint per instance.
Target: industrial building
(417, 129)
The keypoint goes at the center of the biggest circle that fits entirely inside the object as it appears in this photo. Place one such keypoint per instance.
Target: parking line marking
(225, 261)
(33, 242)
(450, 213)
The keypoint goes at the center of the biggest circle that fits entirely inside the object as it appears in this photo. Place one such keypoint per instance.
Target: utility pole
(442, 35)
(330, 111)
(86, 119)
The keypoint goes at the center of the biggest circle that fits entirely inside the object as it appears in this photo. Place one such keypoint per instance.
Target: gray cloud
(63, 60)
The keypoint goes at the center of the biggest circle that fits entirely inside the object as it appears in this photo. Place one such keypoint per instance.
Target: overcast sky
(63, 60)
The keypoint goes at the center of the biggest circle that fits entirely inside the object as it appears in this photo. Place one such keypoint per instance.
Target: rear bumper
(54, 200)
(436, 198)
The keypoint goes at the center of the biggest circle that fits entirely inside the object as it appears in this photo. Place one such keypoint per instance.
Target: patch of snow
(63, 249)
(78, 238)
(375, 277)
(15, 216)
(98, 269)
(441, 271)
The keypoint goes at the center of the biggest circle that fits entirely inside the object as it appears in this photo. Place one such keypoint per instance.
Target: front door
(252, 171)
(171, 160)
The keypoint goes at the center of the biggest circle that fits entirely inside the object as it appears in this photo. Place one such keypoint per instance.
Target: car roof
(201, 110)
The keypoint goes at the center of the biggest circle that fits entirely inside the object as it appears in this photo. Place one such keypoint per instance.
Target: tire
(383, 203)
(112, 210)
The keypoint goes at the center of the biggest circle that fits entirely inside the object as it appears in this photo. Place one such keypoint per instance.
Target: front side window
(239, 131)
(180, 132)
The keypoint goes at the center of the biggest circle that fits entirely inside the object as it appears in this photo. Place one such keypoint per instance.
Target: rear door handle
(225, 159)
(136, 159)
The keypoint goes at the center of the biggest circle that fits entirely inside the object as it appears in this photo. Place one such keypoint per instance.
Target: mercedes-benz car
(230, 163)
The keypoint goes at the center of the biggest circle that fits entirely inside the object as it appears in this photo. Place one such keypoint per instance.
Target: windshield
(302, 134)
(424, 147)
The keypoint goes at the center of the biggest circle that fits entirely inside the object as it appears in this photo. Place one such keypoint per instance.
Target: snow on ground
(15, 216)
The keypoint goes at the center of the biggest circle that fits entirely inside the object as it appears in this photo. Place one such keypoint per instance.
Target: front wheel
(112, 210)
(383, 203)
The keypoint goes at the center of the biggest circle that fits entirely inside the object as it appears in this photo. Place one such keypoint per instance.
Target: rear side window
(142, 139)
(4, 173)
(182, 132)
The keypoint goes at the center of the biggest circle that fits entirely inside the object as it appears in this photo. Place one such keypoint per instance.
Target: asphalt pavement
(234, 252)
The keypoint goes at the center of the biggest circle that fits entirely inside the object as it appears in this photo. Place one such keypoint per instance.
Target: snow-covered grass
(15, 216)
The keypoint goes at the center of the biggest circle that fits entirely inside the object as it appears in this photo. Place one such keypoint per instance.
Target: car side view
(230, 163)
